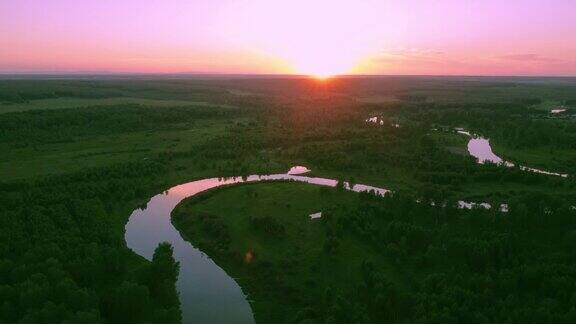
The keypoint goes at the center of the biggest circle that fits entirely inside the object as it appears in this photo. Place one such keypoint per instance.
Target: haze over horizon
(445, 37)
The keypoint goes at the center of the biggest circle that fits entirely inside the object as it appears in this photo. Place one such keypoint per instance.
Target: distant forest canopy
(526, 90)
(45, 126)
(71, 177)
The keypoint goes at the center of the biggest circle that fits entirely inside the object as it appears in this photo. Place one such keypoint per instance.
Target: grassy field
(550, 159)
(53, 158)
(63, 103)
(290, 267)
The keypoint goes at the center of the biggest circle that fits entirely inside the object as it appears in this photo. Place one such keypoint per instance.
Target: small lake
(207, 294)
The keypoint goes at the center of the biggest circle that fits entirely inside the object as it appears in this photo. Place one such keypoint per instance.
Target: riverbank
(375, 259)
(291, 262)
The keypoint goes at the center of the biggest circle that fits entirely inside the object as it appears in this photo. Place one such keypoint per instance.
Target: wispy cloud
(529, 58)
(413, 52)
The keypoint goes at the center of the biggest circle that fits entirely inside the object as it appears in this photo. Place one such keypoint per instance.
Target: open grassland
(62, 103)
(547, 158)
(102, 150)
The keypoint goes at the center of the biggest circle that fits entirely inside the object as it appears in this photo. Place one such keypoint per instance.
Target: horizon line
(256, 75)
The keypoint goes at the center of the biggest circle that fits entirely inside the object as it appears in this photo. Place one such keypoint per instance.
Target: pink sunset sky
(321, 37)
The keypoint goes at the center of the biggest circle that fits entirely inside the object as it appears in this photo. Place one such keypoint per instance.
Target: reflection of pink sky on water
(298, 170)
(480, 148)
(207, 294)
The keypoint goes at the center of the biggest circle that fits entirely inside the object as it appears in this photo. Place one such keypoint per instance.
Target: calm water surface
(479, 147)
(207, 293)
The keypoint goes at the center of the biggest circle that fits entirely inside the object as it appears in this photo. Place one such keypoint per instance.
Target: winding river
(479, 147)
(207, 294)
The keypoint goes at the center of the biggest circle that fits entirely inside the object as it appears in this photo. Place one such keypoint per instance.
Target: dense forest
(64, 257)
(455, 266)
(76, 162)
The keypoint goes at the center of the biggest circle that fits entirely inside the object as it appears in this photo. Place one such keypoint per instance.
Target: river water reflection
(479, 147)
(207, 293)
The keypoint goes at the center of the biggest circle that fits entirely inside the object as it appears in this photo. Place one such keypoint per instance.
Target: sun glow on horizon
(322, 77)
(318, 38)
(319, 65)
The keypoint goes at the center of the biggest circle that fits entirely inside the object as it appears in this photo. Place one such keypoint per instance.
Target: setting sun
(321, 67)
(327, 38)
(321, 77)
